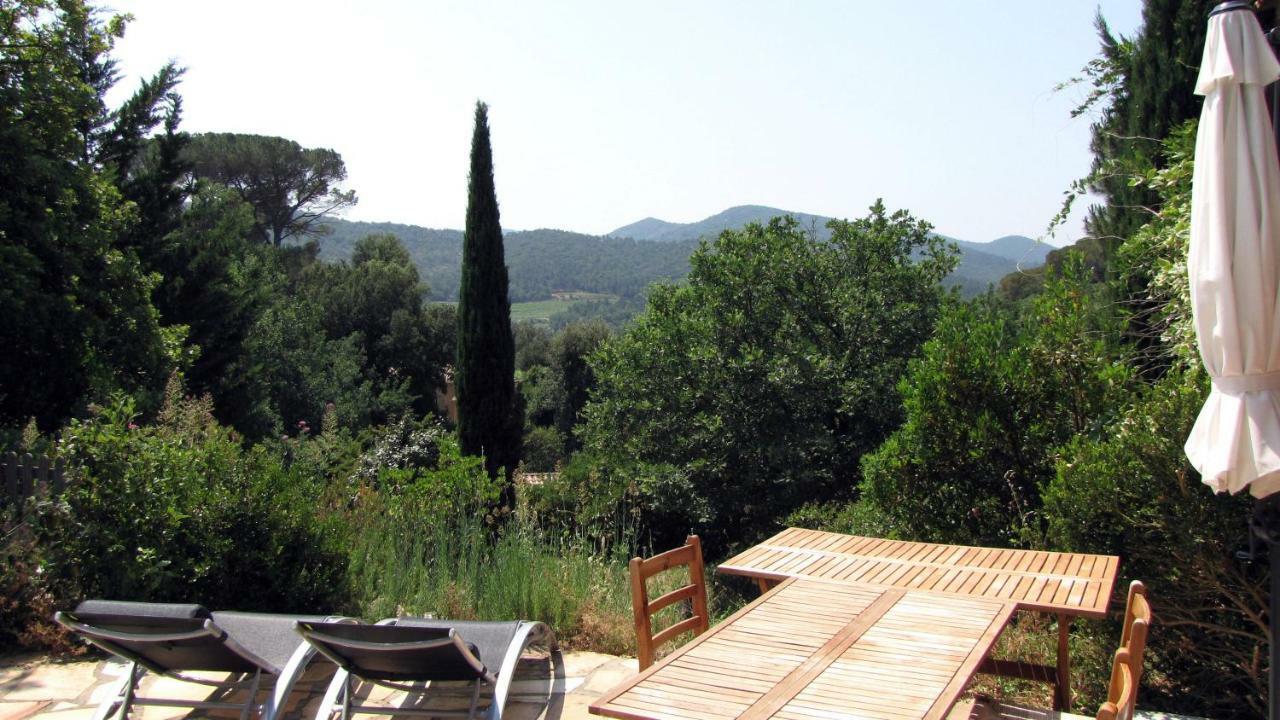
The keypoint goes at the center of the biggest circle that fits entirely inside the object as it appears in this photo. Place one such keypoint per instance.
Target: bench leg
(1062, 693)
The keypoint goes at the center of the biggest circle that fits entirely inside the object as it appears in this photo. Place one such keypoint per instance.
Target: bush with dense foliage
(991, 398)
(181, 510)
(169, 511)
(1130, 492)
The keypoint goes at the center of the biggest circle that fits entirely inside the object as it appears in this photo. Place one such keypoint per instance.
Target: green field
(540, 311)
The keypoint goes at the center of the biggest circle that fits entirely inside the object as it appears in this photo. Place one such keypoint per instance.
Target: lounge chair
(171, 640)
(418, 656)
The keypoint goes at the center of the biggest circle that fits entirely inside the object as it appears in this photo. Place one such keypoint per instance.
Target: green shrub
(989, 403)
(1132, 493)
(181, 511)
(861, 517)
(403, 446)
(590, 501)
(543, 449)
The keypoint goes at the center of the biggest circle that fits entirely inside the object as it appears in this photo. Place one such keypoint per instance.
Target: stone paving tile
(28, 680)
(21, 710)
(80, 713)
(34, 687)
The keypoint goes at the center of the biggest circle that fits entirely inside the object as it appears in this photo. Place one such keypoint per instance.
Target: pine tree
(484, 375)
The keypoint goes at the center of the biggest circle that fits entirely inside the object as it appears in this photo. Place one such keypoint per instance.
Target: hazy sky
(604, 113)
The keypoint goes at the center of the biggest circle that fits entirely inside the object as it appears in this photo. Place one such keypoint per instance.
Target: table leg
(1062, 693)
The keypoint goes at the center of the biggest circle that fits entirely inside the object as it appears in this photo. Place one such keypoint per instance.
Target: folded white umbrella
(1234, 261)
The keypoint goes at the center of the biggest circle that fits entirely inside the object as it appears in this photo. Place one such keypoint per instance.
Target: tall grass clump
(423, 542)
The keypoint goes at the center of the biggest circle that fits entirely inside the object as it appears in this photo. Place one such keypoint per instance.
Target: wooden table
(813, 648)
(1067, 584)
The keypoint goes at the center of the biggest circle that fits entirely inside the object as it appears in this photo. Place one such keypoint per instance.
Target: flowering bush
(403, 446)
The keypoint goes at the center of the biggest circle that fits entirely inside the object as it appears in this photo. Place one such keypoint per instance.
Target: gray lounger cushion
(490, 638)
(269, 636)
(415, 649)
(141, 609)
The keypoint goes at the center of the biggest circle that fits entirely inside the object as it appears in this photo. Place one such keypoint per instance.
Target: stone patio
(34, 686)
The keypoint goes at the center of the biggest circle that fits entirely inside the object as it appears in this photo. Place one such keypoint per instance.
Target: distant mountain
(981, 264)
(732, 219)
(1024, 251)
(629, 259)
(647, 229)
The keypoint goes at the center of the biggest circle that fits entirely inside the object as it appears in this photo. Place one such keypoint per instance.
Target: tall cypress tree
(1153, 92)
(484, 376)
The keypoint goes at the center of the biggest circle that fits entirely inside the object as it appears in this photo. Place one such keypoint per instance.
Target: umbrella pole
(1273, 679)
(1265, 527)
(1273, 90)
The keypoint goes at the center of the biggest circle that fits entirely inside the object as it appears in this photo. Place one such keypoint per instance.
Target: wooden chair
(690, 555)
(1126, 672)
(1137, 621)
(1123, 694)
(1121, 698)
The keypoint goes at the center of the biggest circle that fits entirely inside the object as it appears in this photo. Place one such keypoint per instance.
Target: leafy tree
(1023, 284)
(75, 313)
(212, 283)
(1010, 391)
(761, 383)
(573, 374)
(538, 396)
(533, 345)
(150, 171)
(488, 423)
(291, 370)
(378, 299)
(440, 328)
(291, 188)
(543, 450)
(356, 335)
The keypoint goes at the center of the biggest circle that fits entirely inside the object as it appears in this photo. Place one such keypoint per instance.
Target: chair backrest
(1123, 692)
(1133, 638)
(695, 592)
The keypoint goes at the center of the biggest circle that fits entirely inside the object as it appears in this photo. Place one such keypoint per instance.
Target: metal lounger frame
(125, 696)
(338, 698)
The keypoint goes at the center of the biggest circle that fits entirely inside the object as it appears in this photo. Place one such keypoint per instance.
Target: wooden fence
(24, 476)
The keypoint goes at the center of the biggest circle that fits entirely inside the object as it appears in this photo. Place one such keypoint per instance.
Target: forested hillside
(542, 261)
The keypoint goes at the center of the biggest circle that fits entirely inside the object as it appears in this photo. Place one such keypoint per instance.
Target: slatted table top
(813, 648)
(1072, 583)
